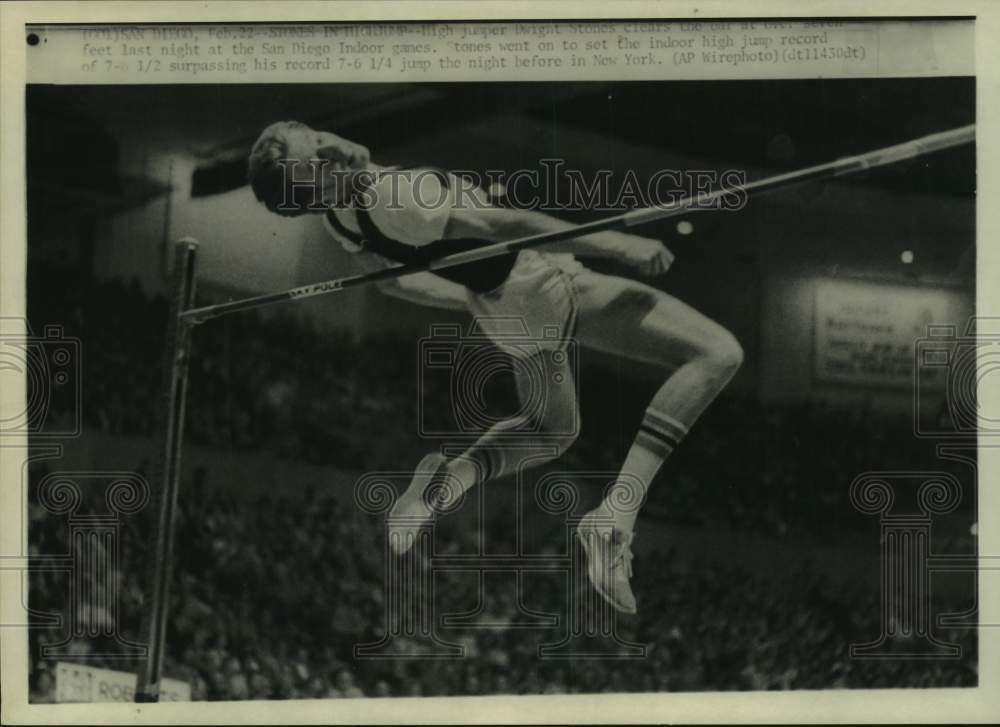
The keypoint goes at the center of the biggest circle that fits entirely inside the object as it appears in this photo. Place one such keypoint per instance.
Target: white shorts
(535, 309)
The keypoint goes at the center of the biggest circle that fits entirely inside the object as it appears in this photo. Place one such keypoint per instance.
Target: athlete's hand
(647, 257)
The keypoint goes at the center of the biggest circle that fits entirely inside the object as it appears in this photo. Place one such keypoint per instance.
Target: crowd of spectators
(271, 596)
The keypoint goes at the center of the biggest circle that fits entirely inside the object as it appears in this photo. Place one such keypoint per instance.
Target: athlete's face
(337, 156)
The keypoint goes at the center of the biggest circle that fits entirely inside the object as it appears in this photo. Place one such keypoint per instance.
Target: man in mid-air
(400, 218)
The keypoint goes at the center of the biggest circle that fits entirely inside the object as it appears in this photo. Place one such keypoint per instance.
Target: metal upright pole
(175, 366)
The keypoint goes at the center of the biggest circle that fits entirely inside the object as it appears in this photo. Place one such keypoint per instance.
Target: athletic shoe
(609, 561)
(418, 505)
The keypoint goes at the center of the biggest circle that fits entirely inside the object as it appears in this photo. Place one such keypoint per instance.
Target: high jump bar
(838, 167)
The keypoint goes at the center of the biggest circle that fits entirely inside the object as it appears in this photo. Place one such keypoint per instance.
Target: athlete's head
(292, 166)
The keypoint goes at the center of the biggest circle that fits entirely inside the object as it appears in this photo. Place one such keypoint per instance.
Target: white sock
(658, 435)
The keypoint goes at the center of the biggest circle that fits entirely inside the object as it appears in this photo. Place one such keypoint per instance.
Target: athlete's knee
(723, 354)
(712, 347)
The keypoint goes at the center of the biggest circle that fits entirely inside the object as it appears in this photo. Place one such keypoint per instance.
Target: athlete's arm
(646, 255)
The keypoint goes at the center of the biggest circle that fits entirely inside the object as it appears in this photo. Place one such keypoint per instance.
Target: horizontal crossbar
(839, 167)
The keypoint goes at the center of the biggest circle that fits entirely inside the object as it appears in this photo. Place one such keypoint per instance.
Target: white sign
(866, 333)
(82, 683)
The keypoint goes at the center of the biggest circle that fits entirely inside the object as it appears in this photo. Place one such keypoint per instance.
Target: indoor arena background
(754, 570)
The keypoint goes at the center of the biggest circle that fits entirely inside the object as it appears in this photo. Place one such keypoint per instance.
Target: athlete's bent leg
(544, 381)
(631, 319)
(507, 445)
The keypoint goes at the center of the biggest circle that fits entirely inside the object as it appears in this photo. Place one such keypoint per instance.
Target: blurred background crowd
(273, 591)
(271, 598)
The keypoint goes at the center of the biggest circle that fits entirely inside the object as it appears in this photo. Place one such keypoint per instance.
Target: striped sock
(480, 464)
(494, 462)
(659, 434)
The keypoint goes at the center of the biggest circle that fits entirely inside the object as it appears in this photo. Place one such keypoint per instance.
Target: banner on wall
(866, 333)
(82, 683)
